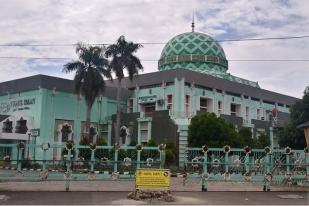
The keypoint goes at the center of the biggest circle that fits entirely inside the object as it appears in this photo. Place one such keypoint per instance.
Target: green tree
(170, 152)
(149, 153)
(208, 129)
(290, 135)
(84, 152)
(151, 143)
(123, 58)
(245, 136)
(89, 69)
(261, 141)
(100, 153)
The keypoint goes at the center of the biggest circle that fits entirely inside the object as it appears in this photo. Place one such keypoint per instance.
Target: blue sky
(100, 21)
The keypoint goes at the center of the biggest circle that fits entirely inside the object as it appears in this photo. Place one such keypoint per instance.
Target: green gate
(76, 162)
(280, 166)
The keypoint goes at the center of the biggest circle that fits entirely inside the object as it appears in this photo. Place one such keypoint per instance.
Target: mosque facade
(193, 78)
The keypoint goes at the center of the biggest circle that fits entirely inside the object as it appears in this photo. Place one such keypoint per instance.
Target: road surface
(181, 198)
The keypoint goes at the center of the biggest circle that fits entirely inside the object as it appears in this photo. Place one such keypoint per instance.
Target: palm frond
(72, 66)
(121, 55)
(90, 69)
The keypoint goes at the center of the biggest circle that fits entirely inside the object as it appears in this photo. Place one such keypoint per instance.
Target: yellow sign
(152, 178)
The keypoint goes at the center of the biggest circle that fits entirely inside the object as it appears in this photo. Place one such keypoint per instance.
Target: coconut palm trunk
(87, 124)
(118, 98)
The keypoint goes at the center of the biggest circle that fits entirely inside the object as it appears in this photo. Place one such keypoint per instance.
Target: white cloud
(70, 21)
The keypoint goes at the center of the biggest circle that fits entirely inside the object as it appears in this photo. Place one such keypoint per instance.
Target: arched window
(7, 126)
(21, 126)
(65, 131)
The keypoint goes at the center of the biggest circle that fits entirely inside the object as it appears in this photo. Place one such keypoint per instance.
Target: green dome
(194, 51)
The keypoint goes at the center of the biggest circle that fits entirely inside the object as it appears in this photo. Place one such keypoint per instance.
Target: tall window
(247, 114)
(170, 102)
(219, 107)
(258, 114)
(130, 105)
(92, 134)
(104, 131)
(65, 132)
(21, 126)
(203, 104)
(7, 126)
(144, 132)
(233, 110)
(187, 105)
(149, 108)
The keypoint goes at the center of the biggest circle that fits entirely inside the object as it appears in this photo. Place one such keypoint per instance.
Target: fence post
(20, 148)
(19, 159)
(226, 163)
(205, 175)
(44, 159)
(68, 160)
(307, 163)
(115, 160)
(205, 163)
(162, 155)
(92, 161)
(68, 172)
(226, 150)
(267, 174)
(138, 159)
(45, 147)
(247, 163)
(162, 159)
(288, 167)
(267, 162)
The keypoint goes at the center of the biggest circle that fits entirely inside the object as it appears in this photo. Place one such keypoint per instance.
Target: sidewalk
(128, 185)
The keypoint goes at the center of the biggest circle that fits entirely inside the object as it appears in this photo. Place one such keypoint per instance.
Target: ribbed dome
(194, 51)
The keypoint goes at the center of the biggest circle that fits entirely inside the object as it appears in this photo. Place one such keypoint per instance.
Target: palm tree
(89, 69)
(123, 58)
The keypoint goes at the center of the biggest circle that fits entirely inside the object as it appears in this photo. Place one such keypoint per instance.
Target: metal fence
(91, 162)
(280, 166)
(75, 162)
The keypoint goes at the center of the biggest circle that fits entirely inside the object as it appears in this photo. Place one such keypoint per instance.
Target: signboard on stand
(158, 179)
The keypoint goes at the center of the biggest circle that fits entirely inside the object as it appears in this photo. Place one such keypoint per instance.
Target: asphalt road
(181, 198)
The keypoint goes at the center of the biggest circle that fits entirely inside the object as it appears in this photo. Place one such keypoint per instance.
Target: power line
(231, 60)
(266, 38)
(34, 58)
(159, 43)
(269, 60)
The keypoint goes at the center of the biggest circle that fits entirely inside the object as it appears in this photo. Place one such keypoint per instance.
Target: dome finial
(192, 25)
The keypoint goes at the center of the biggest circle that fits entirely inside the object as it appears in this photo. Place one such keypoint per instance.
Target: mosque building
(193, 78)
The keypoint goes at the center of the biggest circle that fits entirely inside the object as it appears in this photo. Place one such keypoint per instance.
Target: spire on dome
(192, 25)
